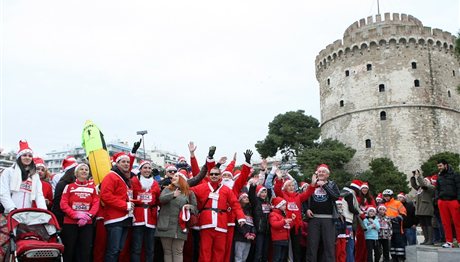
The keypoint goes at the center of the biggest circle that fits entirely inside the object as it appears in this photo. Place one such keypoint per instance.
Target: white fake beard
(146, 183)
(228, 182)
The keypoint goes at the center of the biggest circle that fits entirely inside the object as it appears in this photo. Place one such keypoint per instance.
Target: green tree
(330, 152)
(430, 166)
(382, 175)
(289, 133)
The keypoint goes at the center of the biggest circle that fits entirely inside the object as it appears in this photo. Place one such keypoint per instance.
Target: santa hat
(364, 185)
(356, 184)
(184, 216)
(182, 173)
(171, 167)
(68, 163)
(181, 158)
(382, 207)
(119, 156)
(434, 179)
(226, 172)
(80, 165)
(23, 149)
(277, 202)
(242, 195)
(323, 166)
(143, 162)
(39, 162)
(379, 196)
(259, 189)
(369, 208)
(339, 201)
(285, 184)
(401, 194)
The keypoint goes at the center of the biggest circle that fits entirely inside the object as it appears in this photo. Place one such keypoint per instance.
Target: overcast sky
(214, 72)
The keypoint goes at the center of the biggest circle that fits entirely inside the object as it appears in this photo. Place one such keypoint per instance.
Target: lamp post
(142, 133)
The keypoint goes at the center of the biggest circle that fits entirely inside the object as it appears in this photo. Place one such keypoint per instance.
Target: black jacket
(410, 218)
(261, 223)
(241, 231)
(448, 185)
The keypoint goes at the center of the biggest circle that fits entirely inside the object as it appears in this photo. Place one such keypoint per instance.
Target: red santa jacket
(294, 201)
(115, 195)
(213, 212)
(47, 193)
(277, 225)
(79, 197)
(146, 203)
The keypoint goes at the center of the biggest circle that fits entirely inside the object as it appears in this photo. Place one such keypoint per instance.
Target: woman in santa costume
(80, 203)
(146, 192)
(213, 201)
(44, 175)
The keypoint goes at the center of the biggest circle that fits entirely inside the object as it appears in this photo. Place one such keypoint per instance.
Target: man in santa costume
(213, 200)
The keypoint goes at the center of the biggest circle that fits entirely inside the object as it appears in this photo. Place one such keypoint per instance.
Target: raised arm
(197, 179)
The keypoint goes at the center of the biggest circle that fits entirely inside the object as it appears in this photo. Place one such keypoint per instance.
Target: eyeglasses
(172, 171)
(214, 174)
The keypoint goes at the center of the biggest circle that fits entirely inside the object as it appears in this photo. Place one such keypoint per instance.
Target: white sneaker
(447, 245)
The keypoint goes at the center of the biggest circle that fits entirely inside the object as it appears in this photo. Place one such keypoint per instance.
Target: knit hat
(119, 156)
(39, 162)
(182, 173)
(356, 184)
(364, 185)
(379, 196)
(242, 195)
(278, 202)
(68, 163)
(23, 149)
(401, 194)
(369, 208)
(259, 189)
(382, 207)
(323, 166)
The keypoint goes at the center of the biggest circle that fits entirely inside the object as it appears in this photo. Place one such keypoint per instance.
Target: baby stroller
(34, 235)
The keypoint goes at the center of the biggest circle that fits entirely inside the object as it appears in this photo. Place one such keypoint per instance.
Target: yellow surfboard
(94, 144)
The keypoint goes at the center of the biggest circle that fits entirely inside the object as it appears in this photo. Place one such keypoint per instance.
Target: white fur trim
(280, 204)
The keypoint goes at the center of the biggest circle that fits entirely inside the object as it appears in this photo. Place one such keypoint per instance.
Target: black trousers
(321, 229)
(77, 242)
(373, 250)
(384, 246)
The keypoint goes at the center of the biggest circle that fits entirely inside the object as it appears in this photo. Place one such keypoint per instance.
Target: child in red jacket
(280, 226)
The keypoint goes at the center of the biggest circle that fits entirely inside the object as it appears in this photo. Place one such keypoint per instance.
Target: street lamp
(142, 133)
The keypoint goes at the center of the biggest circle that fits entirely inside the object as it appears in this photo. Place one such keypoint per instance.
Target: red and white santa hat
(119, 156)
(401, 194)
(227, 172)
(68, 163)
(184, 216)
(182, 174)
(39, 162)
(365, 185)
(259, 189)
(325, 167)
(379, 196)
(242, 195)
(382, 207)
(434, 179)
(144, 162)
(170, 167)
(369, 208)
(339, 201)
(278, 202)
(356, 184)
(181, 159)
(23, 149)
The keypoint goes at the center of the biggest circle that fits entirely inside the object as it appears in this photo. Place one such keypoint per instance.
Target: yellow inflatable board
(96, 151)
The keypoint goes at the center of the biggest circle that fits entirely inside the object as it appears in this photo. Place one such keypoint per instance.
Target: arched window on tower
(453, 72)
(368, 143)
(448, 93)
(369, 67)
(414, 65)
(341, 103)
(416, 83)
(383, 115)
(381, 88)
(328, 81)
(347, 72)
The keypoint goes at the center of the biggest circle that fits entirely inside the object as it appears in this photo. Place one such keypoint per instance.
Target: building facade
(389, 89)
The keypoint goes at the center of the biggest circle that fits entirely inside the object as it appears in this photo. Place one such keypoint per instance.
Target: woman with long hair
(177, 200)
(80, 204)
(44, 175)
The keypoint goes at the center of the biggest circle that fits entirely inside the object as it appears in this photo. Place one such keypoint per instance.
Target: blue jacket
(371, 233)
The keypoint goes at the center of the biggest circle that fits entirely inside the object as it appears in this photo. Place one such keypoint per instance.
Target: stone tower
(389, 89)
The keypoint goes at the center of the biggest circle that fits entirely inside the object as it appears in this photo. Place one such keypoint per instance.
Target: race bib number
(145, 197)
(130, 194)
(214, 196)
(26, 186)
(79, 206)
(265, 208)
(292, 206)
(249, 220)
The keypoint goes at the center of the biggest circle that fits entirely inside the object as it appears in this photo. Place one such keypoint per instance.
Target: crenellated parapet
(382, 32)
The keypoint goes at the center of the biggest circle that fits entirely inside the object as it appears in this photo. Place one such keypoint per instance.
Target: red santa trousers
(229, 243)
(341, 250)
(360, 246)
(100, 241)
(212, 245)
(450, 213)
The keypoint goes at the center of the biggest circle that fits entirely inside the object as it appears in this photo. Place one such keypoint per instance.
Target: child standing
(246, 233)
(385, 233)
(280, 227)
(371, 234)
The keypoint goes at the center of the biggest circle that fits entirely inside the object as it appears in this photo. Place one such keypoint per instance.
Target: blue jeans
(350, 245)
(116, 237)
(147, 236)
(411, 236)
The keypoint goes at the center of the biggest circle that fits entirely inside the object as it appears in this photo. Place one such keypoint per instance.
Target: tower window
(453, 72)
(383, 115)
(381, 88)
(368, 143)
(416, 83)
(328, 81)
(414, 65)
(341, 103)
(369, 67)
(347, 73)
(448, 93)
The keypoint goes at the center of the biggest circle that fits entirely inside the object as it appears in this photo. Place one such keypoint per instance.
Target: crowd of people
(219, 213)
